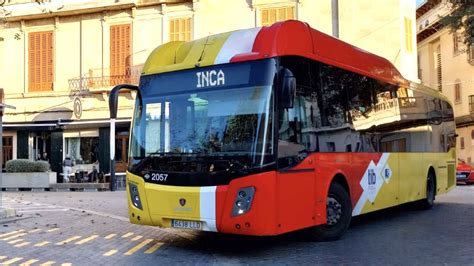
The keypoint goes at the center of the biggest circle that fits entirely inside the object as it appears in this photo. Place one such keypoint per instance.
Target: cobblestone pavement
(84, 228)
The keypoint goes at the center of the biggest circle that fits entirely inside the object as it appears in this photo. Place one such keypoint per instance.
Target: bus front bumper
(212, 208)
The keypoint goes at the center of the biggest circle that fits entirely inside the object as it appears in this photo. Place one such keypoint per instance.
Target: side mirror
(113, 97)
(287, 88)
(113, 105)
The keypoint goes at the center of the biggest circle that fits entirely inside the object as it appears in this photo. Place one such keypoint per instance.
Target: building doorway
(121, 151)
(41, 146)
(7, 149)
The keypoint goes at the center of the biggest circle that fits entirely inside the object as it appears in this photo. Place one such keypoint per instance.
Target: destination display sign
(256, 73)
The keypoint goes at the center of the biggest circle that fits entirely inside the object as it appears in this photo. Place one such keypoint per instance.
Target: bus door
(296, 175)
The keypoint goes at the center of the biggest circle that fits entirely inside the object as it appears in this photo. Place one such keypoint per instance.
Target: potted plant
(24, 173)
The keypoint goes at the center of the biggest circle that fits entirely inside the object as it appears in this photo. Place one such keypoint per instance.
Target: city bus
(269, 130)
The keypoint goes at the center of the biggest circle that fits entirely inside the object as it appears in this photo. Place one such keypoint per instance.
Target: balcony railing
(101, 79)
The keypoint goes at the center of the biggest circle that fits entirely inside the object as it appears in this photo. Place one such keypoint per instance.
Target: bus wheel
(428, 202)
(339, 214)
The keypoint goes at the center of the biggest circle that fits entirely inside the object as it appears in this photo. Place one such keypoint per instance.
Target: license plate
(460, 176)
(184, 224)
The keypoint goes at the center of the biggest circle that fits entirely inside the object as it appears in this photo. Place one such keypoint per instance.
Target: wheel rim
(334, 211)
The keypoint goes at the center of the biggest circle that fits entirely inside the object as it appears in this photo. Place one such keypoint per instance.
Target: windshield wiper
(150, 154)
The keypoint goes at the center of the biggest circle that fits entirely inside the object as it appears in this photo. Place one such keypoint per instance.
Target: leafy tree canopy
(461, 19)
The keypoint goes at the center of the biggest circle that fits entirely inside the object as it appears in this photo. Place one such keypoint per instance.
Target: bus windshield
(185, 123)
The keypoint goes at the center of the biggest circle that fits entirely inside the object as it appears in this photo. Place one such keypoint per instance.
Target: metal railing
(101, 78)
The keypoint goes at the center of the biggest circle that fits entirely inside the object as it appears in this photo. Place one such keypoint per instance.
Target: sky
(419, 2)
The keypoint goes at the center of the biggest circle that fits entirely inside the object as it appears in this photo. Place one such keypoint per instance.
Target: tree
(461, 19)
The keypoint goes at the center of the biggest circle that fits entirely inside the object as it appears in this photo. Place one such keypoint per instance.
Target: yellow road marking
(8, 262)
(15, 241)
(44, 243)
(127, 235)
(110, 236)
(2, 257)
(52, 230)
(154, 248)
(85, 240)
(68, 240)
(136, 238)
(138, 247)
(66, 264)
(34, 230)
(13, 236)
(22, 244)
(110, 252)
(51, 262)
(12, 233)
(27, 263)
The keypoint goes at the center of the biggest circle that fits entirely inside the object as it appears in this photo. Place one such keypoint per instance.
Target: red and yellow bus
(269, 130)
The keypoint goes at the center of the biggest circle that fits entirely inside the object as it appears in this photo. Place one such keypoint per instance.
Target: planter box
(28, 180)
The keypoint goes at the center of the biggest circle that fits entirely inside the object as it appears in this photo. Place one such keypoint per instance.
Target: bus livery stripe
(208, 208)
(239, 42)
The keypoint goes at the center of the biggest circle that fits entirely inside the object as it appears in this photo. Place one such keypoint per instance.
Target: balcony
(428, 18)
(100, 79)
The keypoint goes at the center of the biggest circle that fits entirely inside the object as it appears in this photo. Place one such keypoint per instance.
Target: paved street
(83, 228)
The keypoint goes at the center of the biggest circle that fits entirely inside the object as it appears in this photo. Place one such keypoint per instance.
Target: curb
(6, 213)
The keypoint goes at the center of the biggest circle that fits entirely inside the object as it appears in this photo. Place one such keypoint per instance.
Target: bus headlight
(135, 196)
(243, 201)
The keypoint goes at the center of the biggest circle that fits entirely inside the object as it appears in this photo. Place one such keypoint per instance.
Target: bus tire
(339, 214)
(428, 202)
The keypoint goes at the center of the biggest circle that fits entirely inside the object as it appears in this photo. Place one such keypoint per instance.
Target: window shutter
(31, 61)
(120, 52)
(290, 13)
(265, 20)
(180, 29)
(272, 15)
(438, 69)
(457, 91)
(408, 35)
(40, 61)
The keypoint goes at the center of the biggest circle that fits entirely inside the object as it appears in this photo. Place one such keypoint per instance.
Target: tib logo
(371, 177)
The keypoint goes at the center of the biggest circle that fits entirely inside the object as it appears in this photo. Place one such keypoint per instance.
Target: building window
(471, 104)
(408, 35)
(462, 143)
(180, 29)
(120, 53)
(7, 149)
(272, 15)
(438, 69)
(470, 54)
(457, 43)
(40, 61)
(457, 91)
(83, 150)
